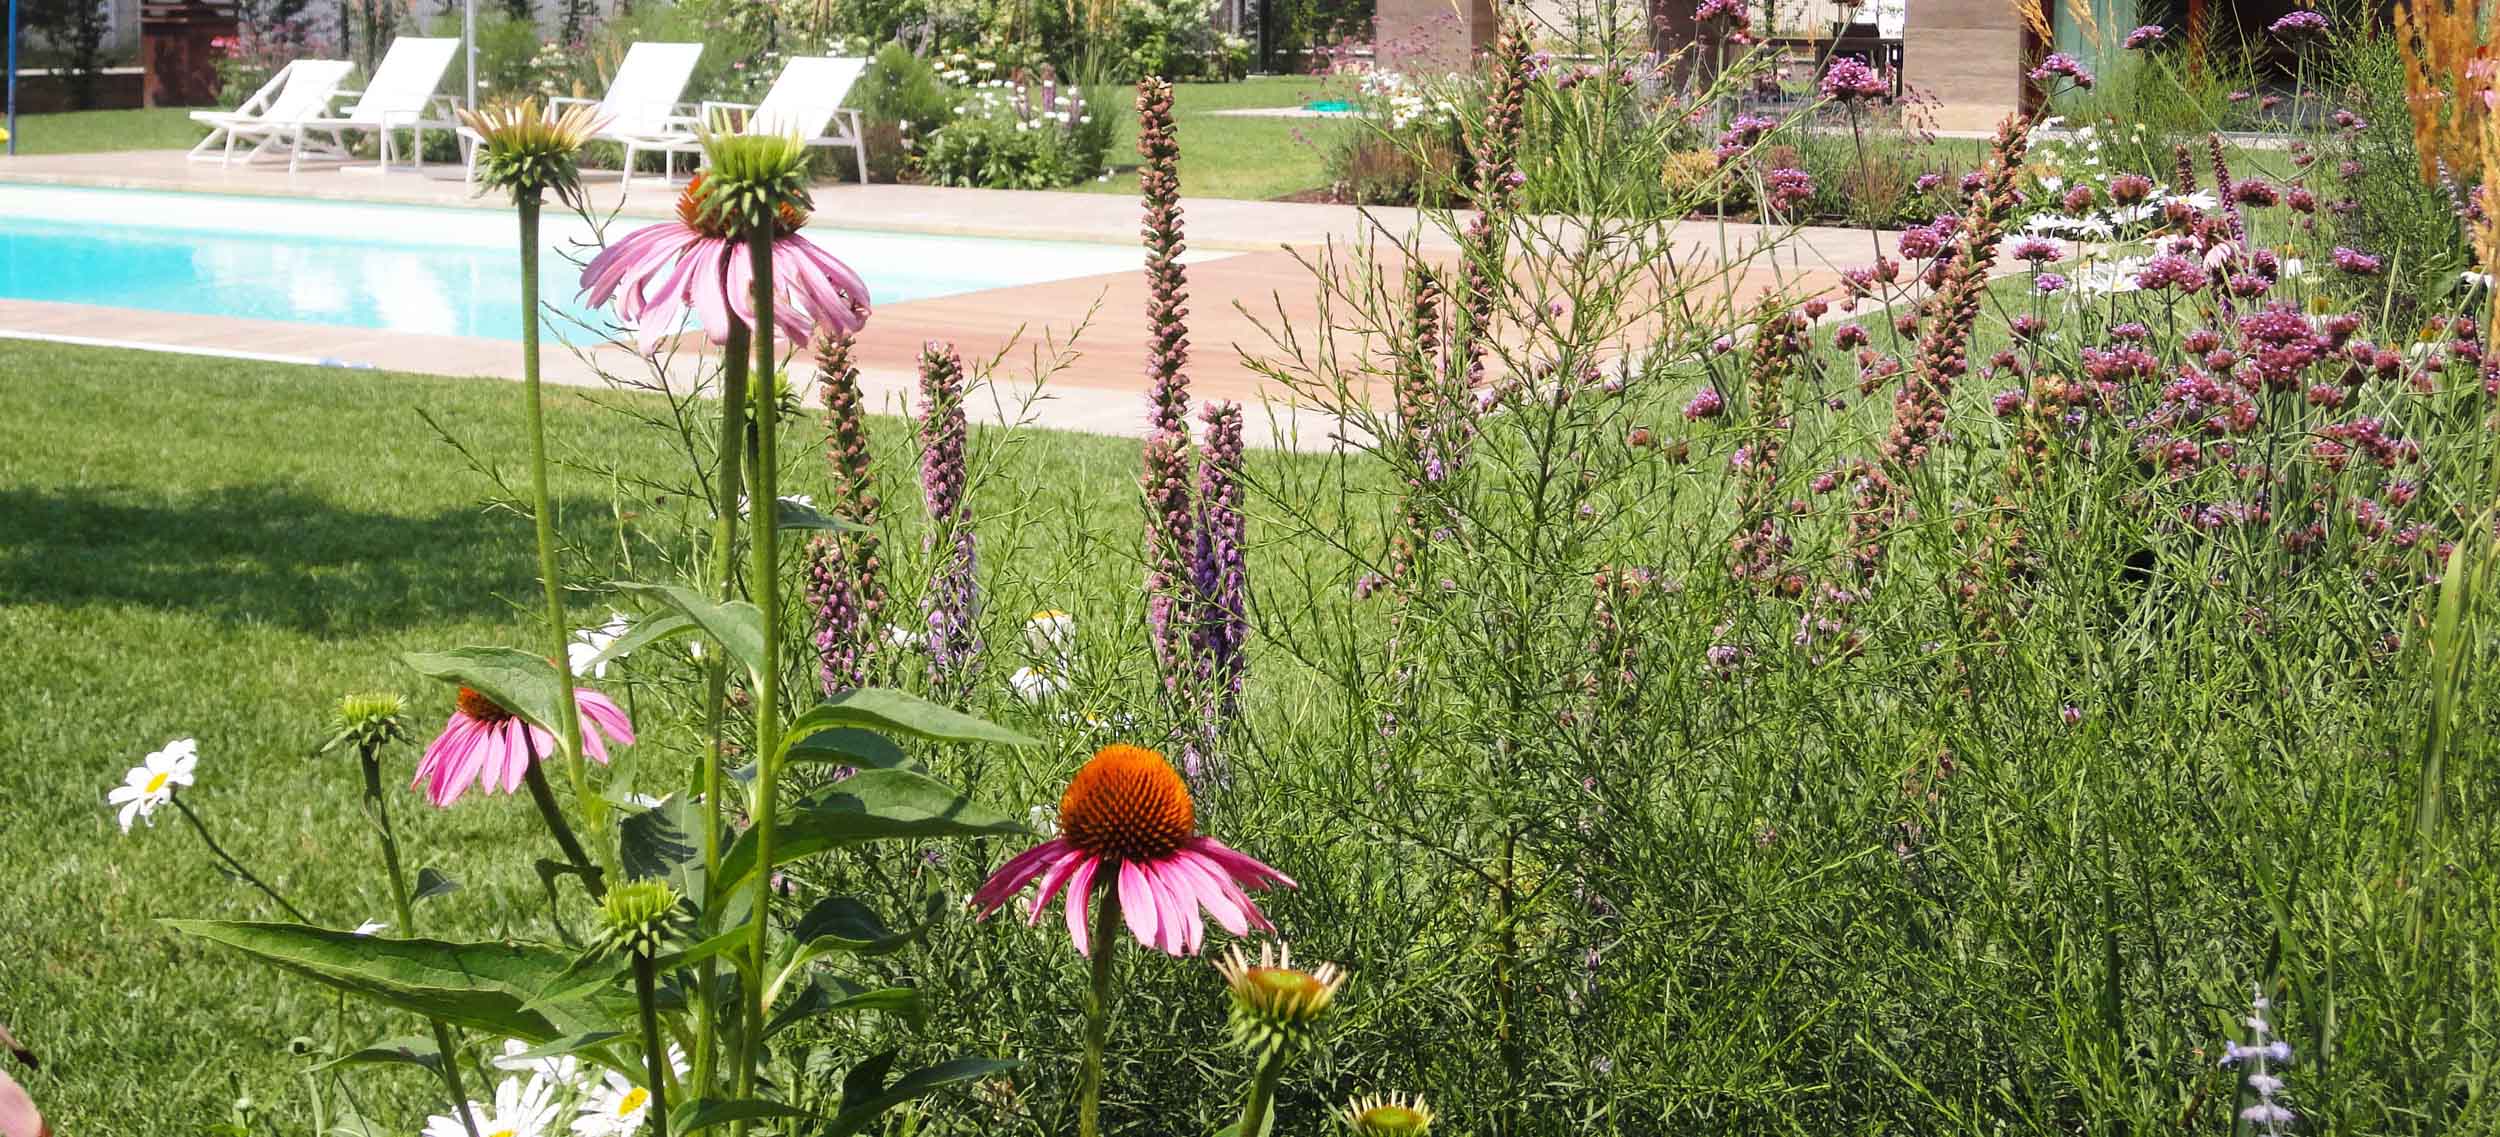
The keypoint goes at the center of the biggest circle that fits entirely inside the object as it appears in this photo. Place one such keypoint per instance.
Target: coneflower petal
(1206, 878)
(1241, 868)
(1055, 878)
(1137, 905)
(1015, 874)
(1080, 886)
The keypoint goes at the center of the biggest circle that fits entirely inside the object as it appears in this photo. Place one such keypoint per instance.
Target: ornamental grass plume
(952, 605)
(846, 587)
(1128, 830)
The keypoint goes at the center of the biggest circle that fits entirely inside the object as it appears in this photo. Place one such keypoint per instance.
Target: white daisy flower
(613, 1108)
(520, 1110)
(590, 643)
(151, 783)
(2291, 268)
(1051, 634)
(559, 1069)
(1035, 684)
(2472, 279)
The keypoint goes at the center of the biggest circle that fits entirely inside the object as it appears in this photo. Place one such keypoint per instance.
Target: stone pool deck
(1248, 270)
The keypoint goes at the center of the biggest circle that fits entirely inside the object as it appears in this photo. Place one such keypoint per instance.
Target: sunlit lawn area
(84, 132)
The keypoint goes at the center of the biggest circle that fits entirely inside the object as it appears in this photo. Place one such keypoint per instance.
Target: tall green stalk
(568, 715)
(729, 482)
(1106, 944)
(764, 587)
(377, 807)
(1262, 1098)
(654, 1044)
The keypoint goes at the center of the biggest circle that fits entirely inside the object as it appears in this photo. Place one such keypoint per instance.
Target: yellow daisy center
(1127, 803)
(631, 1100)
(158, 782)
(503, 1133)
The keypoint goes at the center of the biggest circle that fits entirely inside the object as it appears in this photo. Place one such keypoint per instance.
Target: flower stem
(593, 878)
(731, 482)
(568, 722)
(764, 588)
(219, 851)
(654, 1047)
(379, 809)
(1262, 1100)
(1106, 943)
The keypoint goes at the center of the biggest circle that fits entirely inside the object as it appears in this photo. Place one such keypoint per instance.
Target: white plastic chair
(806, 101)
(300, 90)
(400, 97)
(642, 108)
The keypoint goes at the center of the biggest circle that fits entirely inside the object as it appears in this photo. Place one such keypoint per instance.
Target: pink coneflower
(1127, 818)
(492, 747)
(656, 274)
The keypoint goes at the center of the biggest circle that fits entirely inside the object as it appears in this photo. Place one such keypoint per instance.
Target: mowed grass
(1234, 156)
(88, 132)
(213, 549)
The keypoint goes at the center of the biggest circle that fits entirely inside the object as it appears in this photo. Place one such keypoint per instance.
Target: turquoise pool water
(408, 268)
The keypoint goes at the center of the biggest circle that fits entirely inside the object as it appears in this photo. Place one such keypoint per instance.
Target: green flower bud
(639, 917)
(1396, 1115)
(1276, 1005)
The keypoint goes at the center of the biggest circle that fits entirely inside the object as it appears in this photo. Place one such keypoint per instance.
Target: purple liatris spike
(953, 601)
(843, 582)
(1167, 282)
(1171, 559)
(1222, 574)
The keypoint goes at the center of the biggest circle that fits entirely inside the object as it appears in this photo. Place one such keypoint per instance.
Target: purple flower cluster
(1222, 575)
(1705, 403)
(844, 585)
(1789, 188)
(2060, 65)
(2356, 262)
(1741, 134)
(2302, 22)
(2038, 251)
(2143, 37)
(1850, 80)
(952, 605)
(2170, 271)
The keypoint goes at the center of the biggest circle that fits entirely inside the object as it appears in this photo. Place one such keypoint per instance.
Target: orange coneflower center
(690, 212)
(480, 707)
(1127, 803)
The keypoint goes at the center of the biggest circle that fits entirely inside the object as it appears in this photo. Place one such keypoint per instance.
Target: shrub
(1018, 136)
(901, 102)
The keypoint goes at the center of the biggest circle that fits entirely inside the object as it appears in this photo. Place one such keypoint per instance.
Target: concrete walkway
(1262, 280)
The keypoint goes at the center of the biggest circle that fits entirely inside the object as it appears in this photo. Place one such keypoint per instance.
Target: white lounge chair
(806, 101)
(400, 97)
(300, 90)
(642, 110)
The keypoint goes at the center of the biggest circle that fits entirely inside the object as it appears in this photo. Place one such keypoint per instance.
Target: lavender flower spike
(843, 584)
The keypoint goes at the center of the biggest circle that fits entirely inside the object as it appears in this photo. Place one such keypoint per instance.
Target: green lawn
(244, 544)
(86, 132)
(1227, 156)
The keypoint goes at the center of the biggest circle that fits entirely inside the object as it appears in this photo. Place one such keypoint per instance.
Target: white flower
(803, 501)
(151, 783)
(369, 927)
(559, 1069)
(2221, 254)
(2052, 182)
(1034, 684)
(1043, 819)
(591, 643)
(2291, 268)
(521, 1110)
(1051, 634)
(2471, 279)
(900, 636)
(613, 1108)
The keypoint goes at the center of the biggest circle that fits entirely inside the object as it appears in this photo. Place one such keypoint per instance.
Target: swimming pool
(433, 270)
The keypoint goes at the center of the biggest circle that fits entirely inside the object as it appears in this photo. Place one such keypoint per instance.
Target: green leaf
(849, 746)
(873, 805)
(482, 986)
(408, 1051)
(898, 712)
(652, 843)
(708, 1112)
(517, 681)
(788, 514)
(844, 924)
(861, 1108)
(737, 625)
(431, 883)
(640, 634)
(834, 995)
(732, 939)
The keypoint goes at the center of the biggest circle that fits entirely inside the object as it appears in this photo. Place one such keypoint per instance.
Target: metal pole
(13, 81)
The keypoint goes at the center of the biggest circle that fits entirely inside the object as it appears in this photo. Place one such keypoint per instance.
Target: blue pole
(12, 78)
